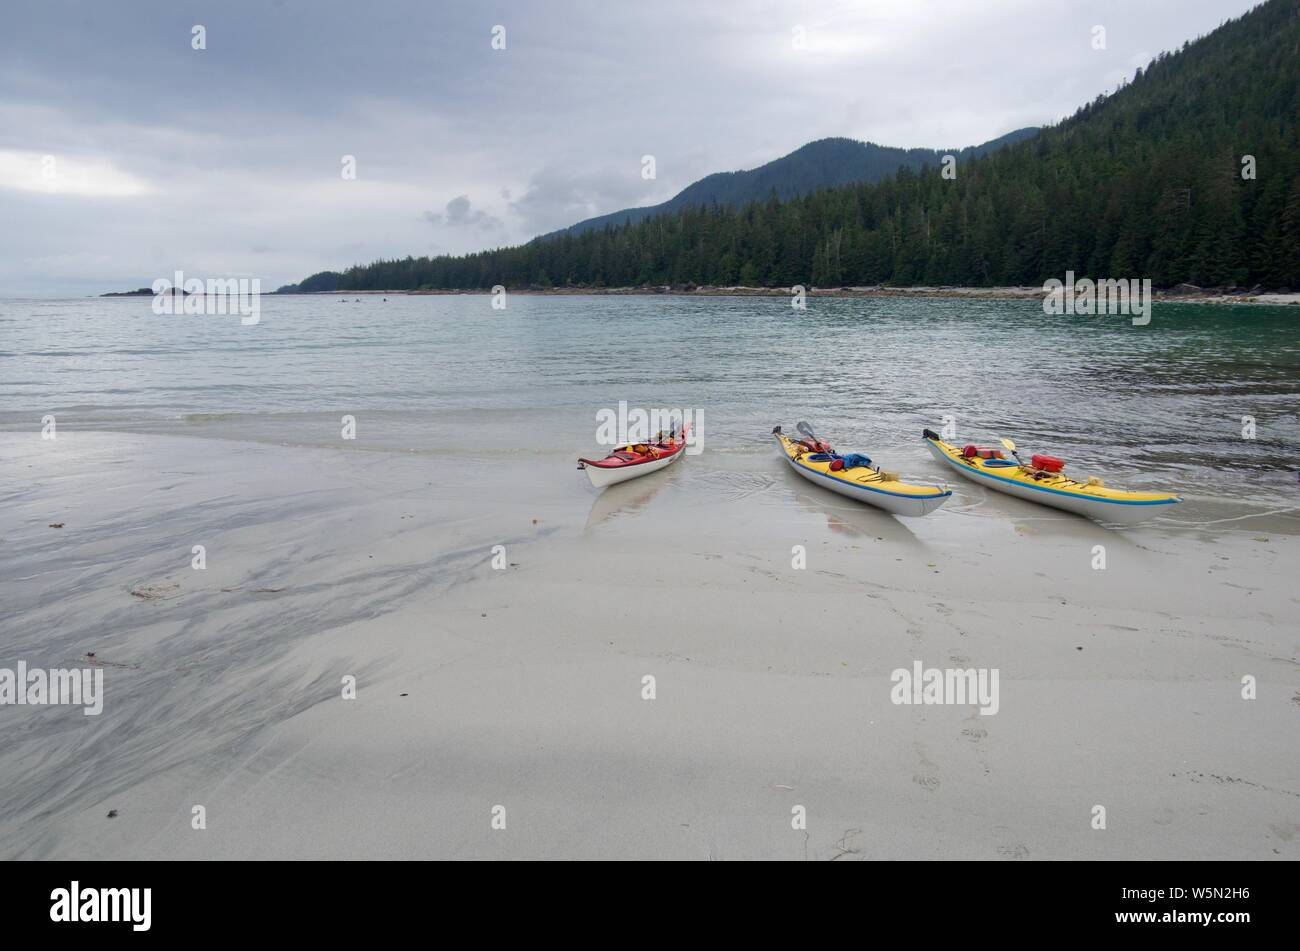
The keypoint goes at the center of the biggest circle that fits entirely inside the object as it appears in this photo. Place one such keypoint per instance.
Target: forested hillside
(826, 163)
(1144, 183)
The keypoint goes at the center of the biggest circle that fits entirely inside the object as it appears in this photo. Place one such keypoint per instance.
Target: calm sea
(1160, 405)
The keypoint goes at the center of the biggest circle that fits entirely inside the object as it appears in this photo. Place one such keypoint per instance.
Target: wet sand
(522, 688)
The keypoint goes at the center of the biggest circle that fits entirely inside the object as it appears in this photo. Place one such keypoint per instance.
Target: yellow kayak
(864, 483)
(1043, 481)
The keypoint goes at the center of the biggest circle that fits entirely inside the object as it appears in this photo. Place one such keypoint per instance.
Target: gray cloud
(560, 195)
(227, 160)
(460, 214)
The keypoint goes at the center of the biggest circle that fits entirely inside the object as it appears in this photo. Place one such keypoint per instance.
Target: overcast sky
(126, 154)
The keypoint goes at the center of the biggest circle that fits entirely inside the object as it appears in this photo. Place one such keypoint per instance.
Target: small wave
(208, 417)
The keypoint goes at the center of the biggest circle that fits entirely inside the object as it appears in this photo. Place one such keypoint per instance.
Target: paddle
(804, 429)
(1012, 447)
(672, 432)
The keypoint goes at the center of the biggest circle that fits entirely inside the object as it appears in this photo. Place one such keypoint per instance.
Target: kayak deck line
(655, 454)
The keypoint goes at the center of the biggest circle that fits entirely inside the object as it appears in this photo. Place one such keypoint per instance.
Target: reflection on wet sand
(845, 518)
(1026, 518)
(627, 498)
(1066, 526)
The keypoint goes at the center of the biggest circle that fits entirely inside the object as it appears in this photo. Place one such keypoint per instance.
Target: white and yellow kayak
(813, 460)
(1043, 481)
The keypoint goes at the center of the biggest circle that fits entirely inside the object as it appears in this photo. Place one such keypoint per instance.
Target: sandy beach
(522, 687)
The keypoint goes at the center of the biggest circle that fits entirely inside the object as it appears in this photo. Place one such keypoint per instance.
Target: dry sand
(522, 688)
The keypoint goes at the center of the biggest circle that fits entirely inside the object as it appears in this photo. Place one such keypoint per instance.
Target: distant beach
(1169, 295)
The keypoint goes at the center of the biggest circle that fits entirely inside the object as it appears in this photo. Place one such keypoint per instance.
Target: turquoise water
(1154, 406)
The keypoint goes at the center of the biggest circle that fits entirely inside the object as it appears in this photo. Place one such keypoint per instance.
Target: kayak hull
(1103, 505)
(602, 476)
(897, 498)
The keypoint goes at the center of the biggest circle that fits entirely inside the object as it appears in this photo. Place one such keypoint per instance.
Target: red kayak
(629, 462)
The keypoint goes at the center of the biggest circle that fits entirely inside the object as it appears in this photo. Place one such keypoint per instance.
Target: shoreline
(1168, 296)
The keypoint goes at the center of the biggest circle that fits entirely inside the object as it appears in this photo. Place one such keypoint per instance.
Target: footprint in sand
(927, 776)
(976, 735)
(1285, 831)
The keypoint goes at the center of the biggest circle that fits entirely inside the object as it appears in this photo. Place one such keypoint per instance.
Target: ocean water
(1154, 406)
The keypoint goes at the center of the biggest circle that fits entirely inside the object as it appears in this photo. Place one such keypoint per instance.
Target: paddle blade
(1009, 444)
(806, 430)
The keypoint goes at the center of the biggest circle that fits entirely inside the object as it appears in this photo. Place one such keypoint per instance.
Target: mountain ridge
(822, 163)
